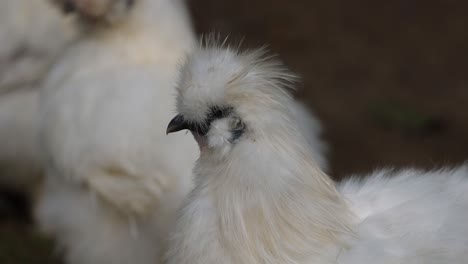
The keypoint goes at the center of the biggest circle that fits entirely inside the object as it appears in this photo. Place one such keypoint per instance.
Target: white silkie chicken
(32, 34)
(114, 180)
(261, 198)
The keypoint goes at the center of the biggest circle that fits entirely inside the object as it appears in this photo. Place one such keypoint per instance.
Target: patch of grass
(404, 118)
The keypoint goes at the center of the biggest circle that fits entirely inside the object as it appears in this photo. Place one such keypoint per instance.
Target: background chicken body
(114, 180)
(261, 197)
(32, 35)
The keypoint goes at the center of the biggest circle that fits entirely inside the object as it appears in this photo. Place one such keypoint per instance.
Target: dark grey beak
(178, 123)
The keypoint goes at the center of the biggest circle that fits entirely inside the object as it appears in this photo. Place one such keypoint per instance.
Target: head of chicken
(226, 97)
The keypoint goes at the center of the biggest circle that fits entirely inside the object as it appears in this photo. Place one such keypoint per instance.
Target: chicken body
(114, 180)
(261, 197)
(409, 216)
(33, 33)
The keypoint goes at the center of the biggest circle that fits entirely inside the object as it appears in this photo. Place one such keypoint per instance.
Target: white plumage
(32, 34)
(261, 198)
(311, 128)
(114, 180)
(409, 216)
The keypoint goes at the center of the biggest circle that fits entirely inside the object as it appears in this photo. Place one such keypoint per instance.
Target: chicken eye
(237, 124)
(237, 129)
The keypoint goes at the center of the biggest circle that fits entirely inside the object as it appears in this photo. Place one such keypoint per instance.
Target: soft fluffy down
(261, 197)
(114, 180)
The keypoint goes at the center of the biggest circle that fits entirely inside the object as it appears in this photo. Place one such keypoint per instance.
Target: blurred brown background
(388, 79)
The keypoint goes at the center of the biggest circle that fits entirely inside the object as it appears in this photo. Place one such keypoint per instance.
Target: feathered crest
(219, 70)
(256, 59)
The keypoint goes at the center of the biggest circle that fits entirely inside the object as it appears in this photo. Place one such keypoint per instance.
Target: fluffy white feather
(114, 180)
(311, 128)
(409, 216)
(32, 34)
(254, 201)
(261, 198)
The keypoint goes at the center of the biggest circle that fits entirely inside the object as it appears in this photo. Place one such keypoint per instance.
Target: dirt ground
(388, 79)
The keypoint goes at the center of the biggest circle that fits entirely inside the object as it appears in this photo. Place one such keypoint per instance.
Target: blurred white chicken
(32, 34)
(261, 198)
(114, 180)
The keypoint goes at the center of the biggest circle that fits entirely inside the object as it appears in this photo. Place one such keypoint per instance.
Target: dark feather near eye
(214, 113)
(199, 128)
(218, 113)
